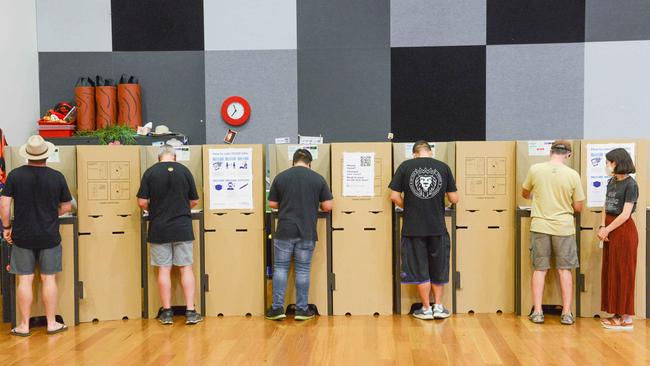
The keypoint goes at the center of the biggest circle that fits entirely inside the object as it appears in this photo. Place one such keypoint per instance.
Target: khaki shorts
(563, 248)
(179, 254)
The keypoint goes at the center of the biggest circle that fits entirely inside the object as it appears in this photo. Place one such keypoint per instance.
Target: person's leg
(303, 253)
(282, 251)
(25, 297)
(566, 284)
(183, 258)
(189, 286)
(50, 263)
(424, 290)
(161, 257)
(439, 250)
(540, 254)
(566, 259)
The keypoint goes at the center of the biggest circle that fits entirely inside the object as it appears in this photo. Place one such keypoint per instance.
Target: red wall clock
(235, 111)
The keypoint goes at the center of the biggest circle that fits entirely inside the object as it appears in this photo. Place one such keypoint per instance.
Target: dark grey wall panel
(623, 20)
(267, 80)
(344, 94)
(59, 71)
(438, 93)
(173, 88)
(343, 23)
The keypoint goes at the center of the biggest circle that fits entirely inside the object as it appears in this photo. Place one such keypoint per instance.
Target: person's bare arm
(274, 205)
(193, 203)
(143, 203)
(453, 197)
(578, 206)
(65, 207)
(603, 233)
(5, 215)
(326, 206)
(397, 199)
(525, 193)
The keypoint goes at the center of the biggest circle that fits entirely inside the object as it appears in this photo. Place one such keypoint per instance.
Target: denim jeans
(302, 251)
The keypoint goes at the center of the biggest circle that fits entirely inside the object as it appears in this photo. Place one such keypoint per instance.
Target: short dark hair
(302, 155)
(421, 145)
(39, 161)
(623, 160)
(561, 147)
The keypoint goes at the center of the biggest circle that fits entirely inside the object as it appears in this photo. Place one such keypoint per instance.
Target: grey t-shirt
(618, 193)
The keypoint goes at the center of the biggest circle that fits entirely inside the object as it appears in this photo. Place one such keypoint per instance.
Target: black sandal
(63, 328)
(14, 332)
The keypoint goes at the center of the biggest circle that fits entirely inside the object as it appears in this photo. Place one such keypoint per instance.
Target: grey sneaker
(305, 314)
(275, 314)
(424, 314)
(192, 317)
(537, 318)
(567, 319)
(166, 317)
(439, 312)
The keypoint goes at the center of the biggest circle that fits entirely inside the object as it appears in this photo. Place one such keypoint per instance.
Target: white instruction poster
(539, 148)
(231, 178)
(358, 174)
(596, 175)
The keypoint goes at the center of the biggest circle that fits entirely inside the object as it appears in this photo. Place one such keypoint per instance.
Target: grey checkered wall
(356, 70)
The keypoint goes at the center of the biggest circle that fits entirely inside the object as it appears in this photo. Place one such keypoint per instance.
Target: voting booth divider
(63, 160)
(361, 229)
(192, 158)
(594, 181)
(485, 216)
(406, 297)
(528, 154)
(233, 181)
(109, 233)
(280, 159)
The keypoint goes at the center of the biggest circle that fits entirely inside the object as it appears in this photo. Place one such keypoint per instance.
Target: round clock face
(235, 111)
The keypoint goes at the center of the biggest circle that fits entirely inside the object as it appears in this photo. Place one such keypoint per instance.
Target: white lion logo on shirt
(425, 183)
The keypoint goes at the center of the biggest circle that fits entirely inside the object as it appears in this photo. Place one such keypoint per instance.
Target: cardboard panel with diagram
(485, 226)
(280, 158)
(594, 179)
(528, 154)
(361, 228)
(109, 232)
(233, 181)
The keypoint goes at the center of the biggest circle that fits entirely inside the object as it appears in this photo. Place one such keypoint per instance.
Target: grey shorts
(563, 248)
(23, 261)
(180, 253)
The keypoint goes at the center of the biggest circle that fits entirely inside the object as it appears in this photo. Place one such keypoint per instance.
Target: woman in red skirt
(620, 241)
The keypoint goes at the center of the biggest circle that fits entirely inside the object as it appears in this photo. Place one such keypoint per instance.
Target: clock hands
(234, 107)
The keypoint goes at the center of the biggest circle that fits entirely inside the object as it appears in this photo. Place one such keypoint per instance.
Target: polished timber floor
(358, 340)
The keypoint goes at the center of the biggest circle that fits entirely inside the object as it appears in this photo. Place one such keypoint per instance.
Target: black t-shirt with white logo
(424, 182)
(37, 192)
(620, 192)
(170, 187)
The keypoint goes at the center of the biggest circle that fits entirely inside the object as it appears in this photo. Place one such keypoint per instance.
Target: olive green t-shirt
(555, 187)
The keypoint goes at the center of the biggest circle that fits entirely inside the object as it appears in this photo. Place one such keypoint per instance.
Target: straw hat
(36, 148)
(161, 130)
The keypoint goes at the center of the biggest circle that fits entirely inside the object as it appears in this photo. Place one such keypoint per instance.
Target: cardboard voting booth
(528, 154)
(405, 296)
(192, 158)
(109, 232)
(595, 184)
(233, 183)
(485, 176)
(63, 160)
(280, 158)
(361, 228)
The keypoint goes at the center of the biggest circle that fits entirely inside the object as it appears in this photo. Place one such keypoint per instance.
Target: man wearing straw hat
(40, 195)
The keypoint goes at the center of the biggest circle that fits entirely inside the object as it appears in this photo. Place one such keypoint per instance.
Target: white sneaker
(424, 314)
(439, 312)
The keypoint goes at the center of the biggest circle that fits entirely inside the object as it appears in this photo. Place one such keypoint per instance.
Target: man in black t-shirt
(297, 193)
(425, 246)
(40, 195)
(168, 193)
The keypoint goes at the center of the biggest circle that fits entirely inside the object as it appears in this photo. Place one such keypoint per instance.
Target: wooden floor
(388, 340)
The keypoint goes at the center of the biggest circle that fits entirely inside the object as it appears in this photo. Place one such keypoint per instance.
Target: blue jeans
(302, 251)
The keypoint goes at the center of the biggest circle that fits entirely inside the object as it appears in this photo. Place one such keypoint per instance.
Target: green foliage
(123, 134)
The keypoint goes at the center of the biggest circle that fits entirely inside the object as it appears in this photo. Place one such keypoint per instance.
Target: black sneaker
(305, 314)
(192, 317)
(275, 314)
(166, 317)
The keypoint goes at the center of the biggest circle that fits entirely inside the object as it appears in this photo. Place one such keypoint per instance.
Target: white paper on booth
(408, 149)
(539, 148)
(358, 174)
(310, 140)
(282, 140)
(231, 178)
(182, 153)
(313, 149)
(596, 175)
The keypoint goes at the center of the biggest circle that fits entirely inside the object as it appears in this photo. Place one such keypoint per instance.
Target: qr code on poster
(366, 161)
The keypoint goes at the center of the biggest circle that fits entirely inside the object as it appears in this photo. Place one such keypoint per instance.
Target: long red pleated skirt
(619, 268)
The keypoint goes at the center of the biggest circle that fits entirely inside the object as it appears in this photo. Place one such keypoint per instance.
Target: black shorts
(425, 259)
